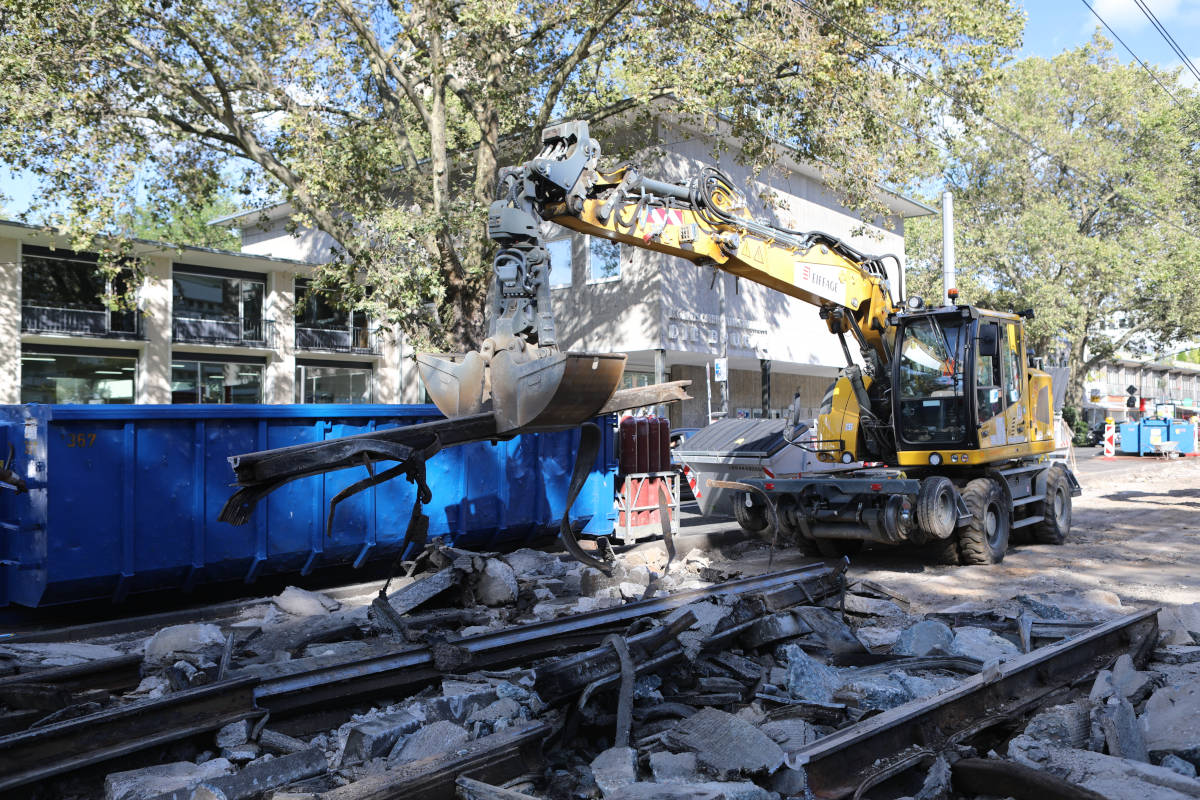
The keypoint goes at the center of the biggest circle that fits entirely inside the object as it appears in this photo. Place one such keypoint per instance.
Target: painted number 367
(81, 439)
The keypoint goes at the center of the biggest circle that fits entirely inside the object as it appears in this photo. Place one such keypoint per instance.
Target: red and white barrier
(1110, 440)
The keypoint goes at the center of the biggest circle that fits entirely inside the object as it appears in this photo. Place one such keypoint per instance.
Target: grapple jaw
(549, 391)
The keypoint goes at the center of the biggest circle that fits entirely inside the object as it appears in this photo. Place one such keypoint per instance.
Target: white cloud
(1125, 14)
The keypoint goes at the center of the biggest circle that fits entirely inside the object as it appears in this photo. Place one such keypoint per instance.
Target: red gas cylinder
(664, 444)
(627, 437)
(642, 433)
(652, 444)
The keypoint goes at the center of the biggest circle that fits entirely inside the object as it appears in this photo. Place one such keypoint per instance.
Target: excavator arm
(520, 374)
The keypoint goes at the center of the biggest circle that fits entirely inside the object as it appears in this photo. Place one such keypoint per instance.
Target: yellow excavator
(944, 398)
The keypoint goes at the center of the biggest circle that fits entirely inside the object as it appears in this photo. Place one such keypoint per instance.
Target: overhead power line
(1174, 45)
(1140, 61)
(960, 102)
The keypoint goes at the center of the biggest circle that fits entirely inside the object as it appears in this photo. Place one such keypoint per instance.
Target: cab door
(1015, 379)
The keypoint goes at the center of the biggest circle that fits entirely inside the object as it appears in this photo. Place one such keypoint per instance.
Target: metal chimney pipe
(947, 246)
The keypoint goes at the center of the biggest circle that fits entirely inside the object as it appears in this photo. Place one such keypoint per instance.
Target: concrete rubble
(722, 716)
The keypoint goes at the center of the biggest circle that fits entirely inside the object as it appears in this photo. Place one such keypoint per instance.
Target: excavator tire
(752, 519)
(984, 540)
(937, 513)
(1056, 509)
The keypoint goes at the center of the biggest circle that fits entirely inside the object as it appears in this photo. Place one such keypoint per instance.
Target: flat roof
(210, 256)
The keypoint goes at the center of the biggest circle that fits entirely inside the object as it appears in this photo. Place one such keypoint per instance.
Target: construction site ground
(1132, 534)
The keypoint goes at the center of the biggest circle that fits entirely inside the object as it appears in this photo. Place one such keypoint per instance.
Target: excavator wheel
(937, 513)
(1056, 509)
(984, 540)
(753, 519)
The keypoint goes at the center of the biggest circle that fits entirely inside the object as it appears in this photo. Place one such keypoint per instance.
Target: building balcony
(225, 332)
(81, 322)
(357, 341)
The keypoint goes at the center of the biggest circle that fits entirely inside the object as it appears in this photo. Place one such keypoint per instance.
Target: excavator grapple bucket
(457, 387)
(558, 390)
(563, 390)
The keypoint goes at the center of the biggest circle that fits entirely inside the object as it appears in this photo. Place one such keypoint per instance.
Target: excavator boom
(520, 374)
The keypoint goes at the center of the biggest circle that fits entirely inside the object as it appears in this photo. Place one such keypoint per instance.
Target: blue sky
(1053, 26)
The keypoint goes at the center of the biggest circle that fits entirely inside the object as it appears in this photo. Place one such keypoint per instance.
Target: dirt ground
(1134, 533)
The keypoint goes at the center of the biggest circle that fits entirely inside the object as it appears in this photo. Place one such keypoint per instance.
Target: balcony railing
(228, 332)
(358, 341)
(81, 322)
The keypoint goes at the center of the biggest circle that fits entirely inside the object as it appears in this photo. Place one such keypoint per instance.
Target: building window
(64, 292)
(321, 325)
(49, 376)
(560, 263)
(215, 382)
(332, 384)
(604, 260)
(633, 379)
(218, 309)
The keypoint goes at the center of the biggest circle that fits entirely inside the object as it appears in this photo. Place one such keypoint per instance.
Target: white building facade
(673, 318)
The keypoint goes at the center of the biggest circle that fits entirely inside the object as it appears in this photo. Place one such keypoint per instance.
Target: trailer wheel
(937, 513)
(752, 519)
(836, 548)
(1056, 510)
(984, 540)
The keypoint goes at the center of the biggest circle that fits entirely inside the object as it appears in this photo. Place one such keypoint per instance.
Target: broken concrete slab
(789, 734)
(774, 628)
(198, 638)
(829, 629)
(1177, 764)
(928, 637)
(1120, 777)
(527, 563)
(1133, 684)
(1171, 722)
(674, 767)
(809, 679)
(235, 733)
(1180, 625)
(740, 790)
(871, 606)
(58, 654)
(982, 644)
(614, 768)
(303, 603)
(432, 740)
(254, 779)
(504, 708)
(150, 782)
(496, 584)
(877, 638)
(1177, 654)
(726, 745)
(937, 782)
(422, 590)
(376, 736)
(1067, 725)
(1122, 734)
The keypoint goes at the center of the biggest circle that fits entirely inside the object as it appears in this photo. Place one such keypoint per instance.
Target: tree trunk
(1076, 372)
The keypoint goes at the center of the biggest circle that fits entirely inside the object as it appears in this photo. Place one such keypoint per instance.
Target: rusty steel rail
(850, 761)
(61, 748)
(408, 668)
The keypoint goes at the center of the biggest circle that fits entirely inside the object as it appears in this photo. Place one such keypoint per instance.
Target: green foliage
(1095, 222)
(383, 124)
(1078, 425)
(183, 222)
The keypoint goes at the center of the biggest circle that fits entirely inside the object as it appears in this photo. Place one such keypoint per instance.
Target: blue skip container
(124, 499)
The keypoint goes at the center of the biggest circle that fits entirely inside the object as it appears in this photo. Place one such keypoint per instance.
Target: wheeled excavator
(943, 397)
